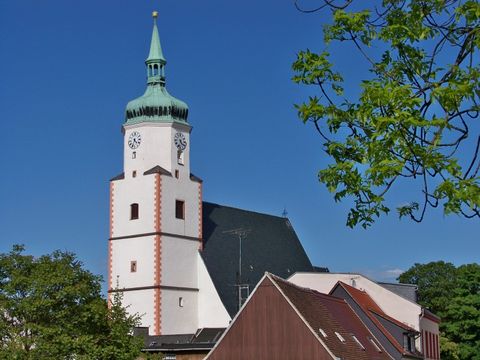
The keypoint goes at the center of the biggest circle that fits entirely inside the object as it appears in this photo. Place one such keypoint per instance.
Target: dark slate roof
(195, 178)
(321, 269)
(408, 291)
(208, 335)
(270, 244)
(157, 341)
(203, 339)
(118, 177)
(157, 170)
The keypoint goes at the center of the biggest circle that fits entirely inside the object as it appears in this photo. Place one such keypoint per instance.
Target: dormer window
(408, 342)
(375, 345)
(358, 342)
(340, 337)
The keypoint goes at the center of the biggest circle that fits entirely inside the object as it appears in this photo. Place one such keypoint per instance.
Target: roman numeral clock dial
(180, 141)
(134, 140)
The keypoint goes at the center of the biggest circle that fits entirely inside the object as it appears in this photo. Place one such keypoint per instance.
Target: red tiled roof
(332, 314)
(366, 302)
(362, 298)
(371, 308)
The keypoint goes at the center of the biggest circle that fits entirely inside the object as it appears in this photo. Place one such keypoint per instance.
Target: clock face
(134, 140)
(180, 141)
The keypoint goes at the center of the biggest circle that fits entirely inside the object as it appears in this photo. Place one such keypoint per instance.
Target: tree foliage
(416, 115)
(454, 295)
(435, 281)
(52, 308)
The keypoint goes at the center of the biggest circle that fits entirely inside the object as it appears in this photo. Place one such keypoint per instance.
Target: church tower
(156, 209)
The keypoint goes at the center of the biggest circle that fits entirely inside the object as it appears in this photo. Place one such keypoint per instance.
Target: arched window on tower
(155, 70)
(133, 211)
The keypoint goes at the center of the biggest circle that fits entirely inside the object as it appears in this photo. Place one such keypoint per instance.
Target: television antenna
(243, 289)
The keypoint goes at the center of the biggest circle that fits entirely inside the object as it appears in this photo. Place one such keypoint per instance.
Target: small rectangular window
(180, 301)
(411, 344)
(180, 209)
(134, 155)
(134, 173)
(133, 211)
(177, 174)
(133, 266)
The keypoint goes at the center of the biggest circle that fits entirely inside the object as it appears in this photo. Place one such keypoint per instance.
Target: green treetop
(415, 120)
(52, 308)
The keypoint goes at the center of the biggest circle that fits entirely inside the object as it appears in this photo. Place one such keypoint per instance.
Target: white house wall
(430, 326)
(392, 304)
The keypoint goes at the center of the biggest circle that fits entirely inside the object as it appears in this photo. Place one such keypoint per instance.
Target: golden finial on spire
(155, 14)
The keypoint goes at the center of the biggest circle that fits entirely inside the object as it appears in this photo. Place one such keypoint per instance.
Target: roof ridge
(248, 211)
(350, 287)
(396, 284)
(306, 289)
(353, 291)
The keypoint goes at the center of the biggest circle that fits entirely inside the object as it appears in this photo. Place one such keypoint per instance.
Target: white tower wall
(163, 285)
(156, 147)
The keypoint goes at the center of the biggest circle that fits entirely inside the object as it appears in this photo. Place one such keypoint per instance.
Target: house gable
(386, 329)
(334, 317)
(268, 327)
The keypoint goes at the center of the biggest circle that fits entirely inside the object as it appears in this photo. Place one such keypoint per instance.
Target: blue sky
(68, 68)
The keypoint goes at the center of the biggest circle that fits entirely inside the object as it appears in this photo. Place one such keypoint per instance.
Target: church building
(182, 263)
(187, 266)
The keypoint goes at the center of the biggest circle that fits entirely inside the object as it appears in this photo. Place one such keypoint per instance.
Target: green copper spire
(155, 61)
(155, 46)
(156, 105)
